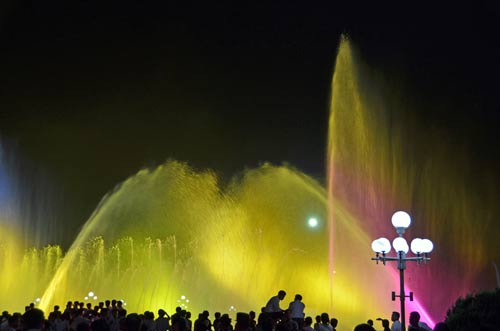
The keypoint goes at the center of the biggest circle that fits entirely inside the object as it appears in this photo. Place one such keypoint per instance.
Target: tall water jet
(382, 158)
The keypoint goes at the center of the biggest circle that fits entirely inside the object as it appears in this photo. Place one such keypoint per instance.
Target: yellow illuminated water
(172, 231)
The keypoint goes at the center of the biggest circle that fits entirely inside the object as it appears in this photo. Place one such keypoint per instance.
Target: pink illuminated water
(381, 159)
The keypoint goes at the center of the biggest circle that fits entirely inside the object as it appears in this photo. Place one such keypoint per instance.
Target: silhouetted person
(265, 323)
(396, 324)
(163, 321)
(385, 324)
(206, 321)
(325, 323)
(287, 321)
(198, 323)
(242, 322)
(317, 324)
(187, 316)
(148, 321)
(225, 323)
(132, 322)
(178, 312)
(252, 321)
(99, 325)
(178, 323)
(12, 323)
(297, 310)
(5, 317)
(83, 327)
(364, 327)
(33, 319)
(308, 324)
(415, 324)
(61, 322)
(273, 305)
(216, 323)
(334, 322)
(78, 318)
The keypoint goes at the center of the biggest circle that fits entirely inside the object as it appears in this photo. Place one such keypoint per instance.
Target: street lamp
(420, 247)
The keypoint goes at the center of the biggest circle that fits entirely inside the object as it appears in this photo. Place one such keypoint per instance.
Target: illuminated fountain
(384, 157)
(172, 232)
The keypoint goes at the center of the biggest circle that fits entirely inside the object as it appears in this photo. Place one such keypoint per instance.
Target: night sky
(91, 92)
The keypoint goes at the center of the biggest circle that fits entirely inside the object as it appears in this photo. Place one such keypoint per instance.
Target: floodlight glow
(95, 297)
(91, 294)
(183, 297)
(313, 222)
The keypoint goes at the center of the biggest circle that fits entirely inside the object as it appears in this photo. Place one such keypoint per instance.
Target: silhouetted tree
(475, 312)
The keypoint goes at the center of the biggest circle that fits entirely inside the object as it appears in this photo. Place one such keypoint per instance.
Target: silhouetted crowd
(110, 315)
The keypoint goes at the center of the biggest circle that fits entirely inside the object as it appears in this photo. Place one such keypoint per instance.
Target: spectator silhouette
(163, 321)
(99, 325)
(187, 316)
(325, 323)
(415, 324)
(297, 310)
(334, 322)
(33, 319)
(364, 327)
(216, 323)
(385, 324)
(225, 323)
(242, 322)
(308, 324)
(132, 322)
(396, 324)
(317, 326)
(265, 322)
(252, 322)
(178, 323)
(273, 305)
(287, 321)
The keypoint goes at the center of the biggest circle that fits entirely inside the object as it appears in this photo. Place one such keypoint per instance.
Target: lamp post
(420, 247)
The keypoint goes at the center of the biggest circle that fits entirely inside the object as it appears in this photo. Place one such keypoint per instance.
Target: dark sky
(92, 92)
